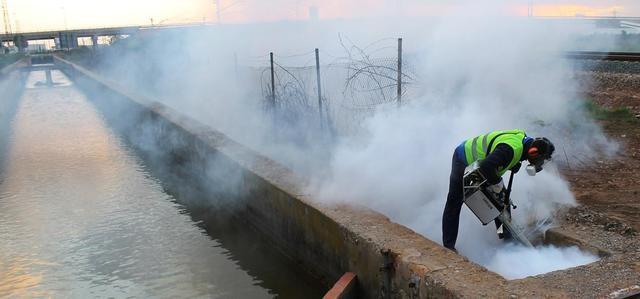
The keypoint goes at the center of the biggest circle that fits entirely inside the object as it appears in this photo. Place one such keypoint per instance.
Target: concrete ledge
(388, 259)
(12, 67)
(11, 86)
(557, 238)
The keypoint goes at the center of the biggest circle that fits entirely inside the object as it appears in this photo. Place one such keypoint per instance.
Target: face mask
(531, 170)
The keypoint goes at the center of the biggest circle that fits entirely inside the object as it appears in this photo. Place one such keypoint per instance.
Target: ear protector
(535, 161)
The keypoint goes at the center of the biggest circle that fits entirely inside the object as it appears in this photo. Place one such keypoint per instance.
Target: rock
(629, 232)
(612, 226)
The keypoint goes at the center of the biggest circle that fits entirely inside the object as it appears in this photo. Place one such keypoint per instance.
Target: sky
(41, 15)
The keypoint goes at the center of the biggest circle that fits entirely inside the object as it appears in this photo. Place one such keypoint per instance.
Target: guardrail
(611, 56)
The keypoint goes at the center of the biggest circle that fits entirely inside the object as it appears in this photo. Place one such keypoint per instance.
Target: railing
(614, 56)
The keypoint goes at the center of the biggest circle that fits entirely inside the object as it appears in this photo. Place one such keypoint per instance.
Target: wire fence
(336, 96)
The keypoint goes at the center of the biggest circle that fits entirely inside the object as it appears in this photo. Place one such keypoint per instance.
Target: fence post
(399, 72)
(273, 84)
(319, 87)
(235, 65)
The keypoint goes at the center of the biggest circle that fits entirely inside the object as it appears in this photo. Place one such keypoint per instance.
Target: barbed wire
(354, 86)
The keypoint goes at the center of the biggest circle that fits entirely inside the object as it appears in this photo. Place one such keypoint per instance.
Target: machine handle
(507, 195)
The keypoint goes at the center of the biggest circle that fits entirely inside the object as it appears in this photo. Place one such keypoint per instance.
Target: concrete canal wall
(11, 87)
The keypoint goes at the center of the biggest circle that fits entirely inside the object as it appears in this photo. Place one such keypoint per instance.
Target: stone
(612, 226)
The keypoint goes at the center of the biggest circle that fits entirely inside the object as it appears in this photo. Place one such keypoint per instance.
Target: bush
(601, 113)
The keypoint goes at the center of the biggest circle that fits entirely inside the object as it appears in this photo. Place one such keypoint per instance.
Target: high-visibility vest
(477, 149)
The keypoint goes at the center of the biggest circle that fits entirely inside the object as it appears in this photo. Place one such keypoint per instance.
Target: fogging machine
(486, 205)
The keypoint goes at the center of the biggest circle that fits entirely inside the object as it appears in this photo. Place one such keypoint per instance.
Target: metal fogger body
(477, 198)
(485, 205)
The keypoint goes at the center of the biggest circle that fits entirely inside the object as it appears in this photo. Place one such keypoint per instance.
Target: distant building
(36, 48)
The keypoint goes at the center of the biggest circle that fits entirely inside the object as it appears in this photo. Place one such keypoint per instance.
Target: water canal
(82, 216)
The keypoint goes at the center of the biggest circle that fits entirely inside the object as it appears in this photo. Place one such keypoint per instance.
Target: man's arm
(500, 157)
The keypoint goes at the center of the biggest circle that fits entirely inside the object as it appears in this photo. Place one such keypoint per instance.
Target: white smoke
(480, 71)
(515, 262)
(480, 74)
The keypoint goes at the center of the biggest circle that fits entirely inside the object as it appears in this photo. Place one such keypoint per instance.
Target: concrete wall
(8, 70)
(11, 87)
(389, 260)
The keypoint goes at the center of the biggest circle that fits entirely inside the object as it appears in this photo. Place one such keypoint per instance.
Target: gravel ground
(620, 67)
(611, 89)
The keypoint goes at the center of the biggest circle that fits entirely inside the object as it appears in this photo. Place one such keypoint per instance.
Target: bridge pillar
(63, 40)
(68, 40)
(94, 41)
(74, 40)
(21, 43)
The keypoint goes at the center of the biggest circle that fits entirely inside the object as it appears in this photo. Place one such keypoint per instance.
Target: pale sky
(39, 15)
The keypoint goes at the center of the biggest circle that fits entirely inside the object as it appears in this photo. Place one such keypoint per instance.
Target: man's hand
(497, 188)
(499, 194)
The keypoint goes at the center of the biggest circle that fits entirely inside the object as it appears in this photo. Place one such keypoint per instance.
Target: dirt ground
(612, 186)
(607, 221)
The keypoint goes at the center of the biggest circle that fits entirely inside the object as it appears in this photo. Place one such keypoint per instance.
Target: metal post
(399, 71)
(235, 65)
(273, 84)
(319, 87)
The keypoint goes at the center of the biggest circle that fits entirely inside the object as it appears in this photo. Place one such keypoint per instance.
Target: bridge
(68, 39)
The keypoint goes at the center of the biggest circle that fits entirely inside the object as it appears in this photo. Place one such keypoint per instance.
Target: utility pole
(64, 17)
(5, 17)
(218, 8)
(16, 28)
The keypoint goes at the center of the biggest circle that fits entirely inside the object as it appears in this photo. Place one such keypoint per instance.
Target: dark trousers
(451, 214)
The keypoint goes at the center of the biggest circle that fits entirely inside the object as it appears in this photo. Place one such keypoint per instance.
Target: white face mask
(531, 170)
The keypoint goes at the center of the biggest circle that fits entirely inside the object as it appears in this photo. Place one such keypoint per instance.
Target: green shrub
(601, 113)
